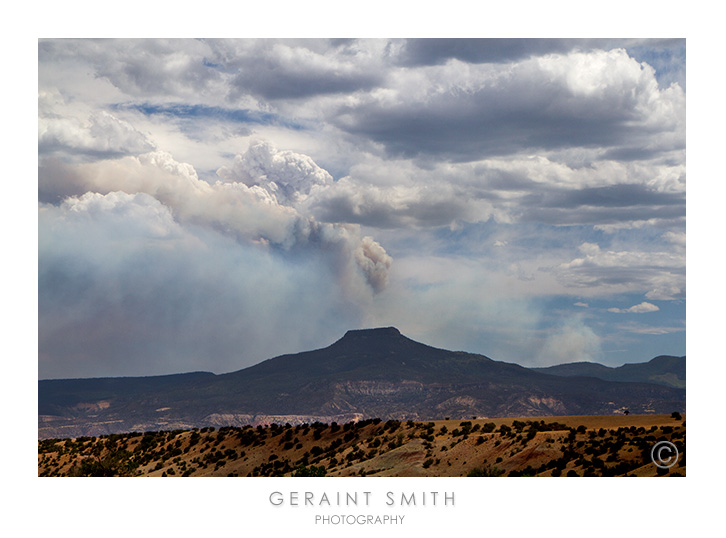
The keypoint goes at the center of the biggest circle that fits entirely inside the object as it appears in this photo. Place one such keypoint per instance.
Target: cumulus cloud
(468, 112)
(641, 308)
(287, 176)
(249, 213)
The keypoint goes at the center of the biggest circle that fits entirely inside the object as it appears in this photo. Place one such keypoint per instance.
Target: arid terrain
(614, 445)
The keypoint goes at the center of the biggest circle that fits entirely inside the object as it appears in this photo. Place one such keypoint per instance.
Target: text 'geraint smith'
(361, 498)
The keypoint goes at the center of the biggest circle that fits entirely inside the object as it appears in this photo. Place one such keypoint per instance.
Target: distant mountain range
(662, 370)
(373, 373)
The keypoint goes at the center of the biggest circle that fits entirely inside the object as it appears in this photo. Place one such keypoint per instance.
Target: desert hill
(615, 445)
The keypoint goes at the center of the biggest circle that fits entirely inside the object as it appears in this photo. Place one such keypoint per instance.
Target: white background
(240, 507)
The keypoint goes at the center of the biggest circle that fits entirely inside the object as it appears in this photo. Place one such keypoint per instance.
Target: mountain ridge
(367, 373)
(666, 370)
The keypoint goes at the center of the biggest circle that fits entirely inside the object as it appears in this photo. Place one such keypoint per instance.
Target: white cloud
(102, 134)
(676, 238)
(636, 328)
(248, 213)
(641, 308)
(659, 275)
(287, 176)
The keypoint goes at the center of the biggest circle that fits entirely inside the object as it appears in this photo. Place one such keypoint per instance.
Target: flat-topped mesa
(381, 338)
(380, 332)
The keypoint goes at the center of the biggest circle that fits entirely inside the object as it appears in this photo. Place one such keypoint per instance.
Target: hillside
(615, 445)
(368, 373)
(662, 370)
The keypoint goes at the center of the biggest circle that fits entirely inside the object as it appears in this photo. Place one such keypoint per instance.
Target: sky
(209, 204)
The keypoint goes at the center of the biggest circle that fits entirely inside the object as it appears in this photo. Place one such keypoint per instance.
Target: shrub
(488, 427)
(312, 470)
(486, 471)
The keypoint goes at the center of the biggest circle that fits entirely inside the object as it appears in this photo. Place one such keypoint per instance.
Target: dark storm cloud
(433, 51)
(270, 81)
(619, 196)
(600, 205)
(474, 127)
(386, 210)
(613, 196)
(484, 50)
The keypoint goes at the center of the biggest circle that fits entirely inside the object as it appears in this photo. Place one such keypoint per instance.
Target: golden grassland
(616, 445)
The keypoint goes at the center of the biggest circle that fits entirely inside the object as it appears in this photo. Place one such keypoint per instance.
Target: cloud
(140, 67)
(287, 176)
(102, 135)
(414, 205)
(676, 238)
(602, 205)
(254, 213)
(437, 51)
(395, 193)
(477, 164)
(432, 51)
(641, 308)
(295, 69)
(637, 328)
(658, 274)
(467, 112)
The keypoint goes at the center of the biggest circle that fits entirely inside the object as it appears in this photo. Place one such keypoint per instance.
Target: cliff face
(370, 373)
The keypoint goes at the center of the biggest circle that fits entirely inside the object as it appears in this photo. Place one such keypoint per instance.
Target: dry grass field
(616, 445)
